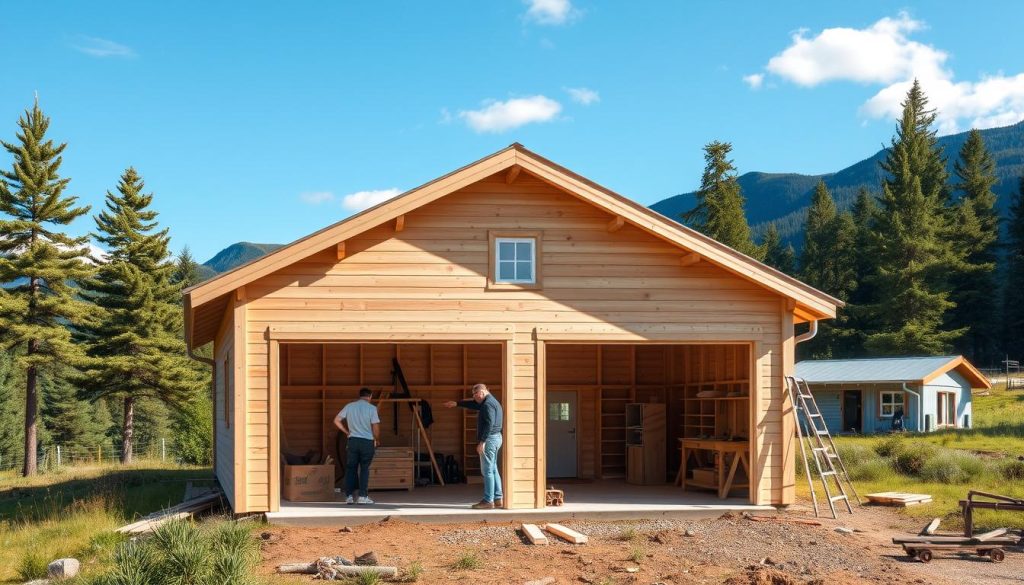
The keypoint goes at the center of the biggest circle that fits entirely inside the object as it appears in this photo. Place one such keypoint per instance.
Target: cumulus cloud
(496, 116)
(316, 197)
(97, 47)
(583, 95)
(550, 12)
(884, 54)
(361, 200)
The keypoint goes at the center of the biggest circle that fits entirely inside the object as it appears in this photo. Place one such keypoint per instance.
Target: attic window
(515, 260)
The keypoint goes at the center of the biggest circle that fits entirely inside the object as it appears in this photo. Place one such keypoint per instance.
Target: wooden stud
(790, 305)
(616, 224)
(400, 223)
(689, 259)
(566, 533)
(512, 174)
(534, 534)
(341, 250)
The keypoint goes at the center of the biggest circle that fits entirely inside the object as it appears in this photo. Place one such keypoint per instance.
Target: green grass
(468, 562)
(73, 512)
(946, 464)
(412, 573)
(637, 553)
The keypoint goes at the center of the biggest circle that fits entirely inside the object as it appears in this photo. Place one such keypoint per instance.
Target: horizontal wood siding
(223, 407)
(432, 277)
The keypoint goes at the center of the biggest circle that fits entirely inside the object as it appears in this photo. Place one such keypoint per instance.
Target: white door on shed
(561, 447)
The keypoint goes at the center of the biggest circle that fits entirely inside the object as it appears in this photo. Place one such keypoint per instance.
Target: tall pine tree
(38, 266)
(827, 263)
(862, 320)
(912, 240)
(778, 256)
(11, 431)
(136, 342)
(976, 234)
(75, 425)
(191, 422)
(1013, 300)
(719, 211)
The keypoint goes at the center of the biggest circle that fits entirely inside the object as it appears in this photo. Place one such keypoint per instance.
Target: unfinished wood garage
(547, 286)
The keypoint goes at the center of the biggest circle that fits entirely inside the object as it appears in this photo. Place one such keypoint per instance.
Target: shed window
(515, 260)
(890, 402)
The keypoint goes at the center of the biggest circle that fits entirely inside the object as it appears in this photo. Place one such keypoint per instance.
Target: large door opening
(639, 405)
(853, 411)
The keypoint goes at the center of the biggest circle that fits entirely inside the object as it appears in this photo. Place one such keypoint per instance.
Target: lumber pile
(183, 510)
(566, 533)
(900, 499)
(534, 534)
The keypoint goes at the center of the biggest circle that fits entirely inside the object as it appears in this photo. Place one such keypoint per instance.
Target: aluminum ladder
(818, 442)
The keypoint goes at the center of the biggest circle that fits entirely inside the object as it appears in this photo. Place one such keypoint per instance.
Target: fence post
(99, 454)
(58, 455)
(163, 449)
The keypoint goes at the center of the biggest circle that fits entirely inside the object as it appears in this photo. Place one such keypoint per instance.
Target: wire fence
(54, 457)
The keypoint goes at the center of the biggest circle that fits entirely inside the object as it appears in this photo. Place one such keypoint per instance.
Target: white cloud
(361, 200)
(98, 47)
(883, 54)
(498, 116)
(583, 95)
(317, 197)
(754, 80)
(550, 12)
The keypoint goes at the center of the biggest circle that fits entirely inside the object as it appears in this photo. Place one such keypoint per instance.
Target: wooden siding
(431, 278)
(223, 404)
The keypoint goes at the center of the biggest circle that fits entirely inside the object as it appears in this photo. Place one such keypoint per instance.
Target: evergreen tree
(136, 342)
(11, 431)
(779, 257)
(186, 270)
(912, 240)
(38, 311)
(976, 232)
(859, 310)
(719, 211)
(1014, 288)
(73, 424)
(827, 263)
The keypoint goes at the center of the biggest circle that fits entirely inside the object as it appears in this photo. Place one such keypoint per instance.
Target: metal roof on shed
(906, 369)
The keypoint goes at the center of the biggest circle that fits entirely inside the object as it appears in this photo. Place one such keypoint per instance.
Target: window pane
(524, 270)
(553, 411)
(506, 251)
(506, 270)
(523, 250)
(886, 398)
(565, 411)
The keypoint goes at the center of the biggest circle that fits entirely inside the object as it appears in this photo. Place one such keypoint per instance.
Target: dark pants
(357, 468)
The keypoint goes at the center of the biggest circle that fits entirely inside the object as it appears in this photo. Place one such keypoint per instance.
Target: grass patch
(412, 573)
(629, 535)
(637, 553)
(468, 562)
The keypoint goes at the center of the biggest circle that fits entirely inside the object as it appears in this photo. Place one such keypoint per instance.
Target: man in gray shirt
(361, 424)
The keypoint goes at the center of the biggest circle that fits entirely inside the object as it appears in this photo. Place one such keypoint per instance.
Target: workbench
(721, 449)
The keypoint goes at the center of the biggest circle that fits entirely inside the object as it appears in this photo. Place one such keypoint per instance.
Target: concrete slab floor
(605, 499)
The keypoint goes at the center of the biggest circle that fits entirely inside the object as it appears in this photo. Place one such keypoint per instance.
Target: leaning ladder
(821, 447)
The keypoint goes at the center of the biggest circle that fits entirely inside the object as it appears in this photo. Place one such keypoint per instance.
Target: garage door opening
(318, 379)
(638, 413)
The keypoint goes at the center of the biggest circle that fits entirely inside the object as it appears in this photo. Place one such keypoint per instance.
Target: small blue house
(864, 395)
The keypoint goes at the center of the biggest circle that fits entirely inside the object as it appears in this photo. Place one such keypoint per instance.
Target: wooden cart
(990, 544)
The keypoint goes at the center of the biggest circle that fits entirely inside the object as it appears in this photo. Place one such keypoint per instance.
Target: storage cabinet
(645, 443)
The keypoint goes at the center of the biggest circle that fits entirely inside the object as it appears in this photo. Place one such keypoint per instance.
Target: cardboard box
(705, 475)
(308, 483)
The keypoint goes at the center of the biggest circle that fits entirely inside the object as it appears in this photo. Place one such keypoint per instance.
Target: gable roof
(918, 370)
(205, 302)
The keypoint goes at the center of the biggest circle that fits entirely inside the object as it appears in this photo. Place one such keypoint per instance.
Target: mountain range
(781, 198)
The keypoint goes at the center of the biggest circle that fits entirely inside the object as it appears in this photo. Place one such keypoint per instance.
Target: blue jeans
(489, 468)
(357, 468)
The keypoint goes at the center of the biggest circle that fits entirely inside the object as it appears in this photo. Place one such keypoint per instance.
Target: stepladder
(818, 450)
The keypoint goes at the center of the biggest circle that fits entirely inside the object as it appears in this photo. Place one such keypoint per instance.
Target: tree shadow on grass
(128, 493)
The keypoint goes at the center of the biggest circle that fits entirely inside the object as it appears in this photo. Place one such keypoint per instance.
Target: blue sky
(268, 120)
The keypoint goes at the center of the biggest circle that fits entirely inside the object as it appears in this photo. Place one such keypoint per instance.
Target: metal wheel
(924, 555)
(997, 555)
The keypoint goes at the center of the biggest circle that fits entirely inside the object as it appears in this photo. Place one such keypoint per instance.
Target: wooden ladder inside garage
(827, 462)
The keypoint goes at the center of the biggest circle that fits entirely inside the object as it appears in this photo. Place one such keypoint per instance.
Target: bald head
(480, 392)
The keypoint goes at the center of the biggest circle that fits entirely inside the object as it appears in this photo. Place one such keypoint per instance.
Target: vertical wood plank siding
(431, 276)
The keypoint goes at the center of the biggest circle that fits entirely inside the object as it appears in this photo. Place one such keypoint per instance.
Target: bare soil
(732, 549)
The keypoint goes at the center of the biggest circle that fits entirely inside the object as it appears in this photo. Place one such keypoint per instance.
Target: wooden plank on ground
(898, 499)
(566, 533)
(931, 528)
(534, 534)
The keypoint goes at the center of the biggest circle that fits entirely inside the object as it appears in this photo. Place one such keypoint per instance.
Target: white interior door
(561, 448)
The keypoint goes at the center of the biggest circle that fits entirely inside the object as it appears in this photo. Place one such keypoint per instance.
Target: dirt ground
(732, 549)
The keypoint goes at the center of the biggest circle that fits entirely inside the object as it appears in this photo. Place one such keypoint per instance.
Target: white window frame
(498, 241)
(882, 404)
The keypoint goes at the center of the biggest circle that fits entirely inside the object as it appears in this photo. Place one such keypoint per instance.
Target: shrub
(1012, 469)
(873, 470)
(890, 446)
(412, 573)
(911, 458)
(32, 566)
(467, 562)
(952, 467)
(855, 454)
(637, 553)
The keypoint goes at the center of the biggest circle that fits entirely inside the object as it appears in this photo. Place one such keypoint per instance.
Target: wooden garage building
(568, 300)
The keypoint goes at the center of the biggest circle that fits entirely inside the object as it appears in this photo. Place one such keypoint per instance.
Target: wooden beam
(341, 250)
(534, 534)
(790, 305)
(689, 259)
(567, 533)
(240, 293)
(512, 174)
(616, 224)
(400, 223)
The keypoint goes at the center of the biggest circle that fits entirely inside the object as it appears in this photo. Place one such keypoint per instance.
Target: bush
(952, 467)
(1012, 469)
(890, 446)
(872, 470)
(855, 454)
(911, 458)
(32, 566)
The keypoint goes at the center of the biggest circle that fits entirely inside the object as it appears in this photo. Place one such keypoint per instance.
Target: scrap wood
(333, 568)
(183, 510)
(931, 527)
(534, 534)
(898, 499)
(566, 533)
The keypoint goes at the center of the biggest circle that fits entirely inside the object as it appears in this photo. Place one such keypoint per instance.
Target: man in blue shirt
(360, 422)
(488, 442)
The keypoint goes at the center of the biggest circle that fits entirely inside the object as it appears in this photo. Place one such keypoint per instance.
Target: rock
(544, 581)
(569, 551)
(689, 533)
(767, 561)
(844, 530)
(63, 568)
(632, 569)
(346, 529)
(367, 559)
(586, 579)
